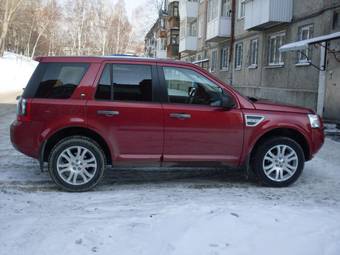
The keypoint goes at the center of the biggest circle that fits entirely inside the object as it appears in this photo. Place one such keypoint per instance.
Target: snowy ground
(168, 212)
(15, 72)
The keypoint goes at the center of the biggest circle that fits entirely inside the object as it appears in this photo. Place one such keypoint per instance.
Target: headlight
(314, 120)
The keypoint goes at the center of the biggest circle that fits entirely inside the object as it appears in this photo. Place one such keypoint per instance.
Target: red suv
(81, 114)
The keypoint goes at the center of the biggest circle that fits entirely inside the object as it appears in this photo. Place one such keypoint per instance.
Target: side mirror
(227, 102)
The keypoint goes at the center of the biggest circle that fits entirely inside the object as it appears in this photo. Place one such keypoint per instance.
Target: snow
(301, 45)
(181, 211)
(15, 70)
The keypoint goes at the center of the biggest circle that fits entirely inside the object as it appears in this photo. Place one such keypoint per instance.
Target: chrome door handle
(180, 116)
(107, 113)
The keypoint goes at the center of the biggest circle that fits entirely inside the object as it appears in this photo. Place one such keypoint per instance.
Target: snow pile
(15, 70)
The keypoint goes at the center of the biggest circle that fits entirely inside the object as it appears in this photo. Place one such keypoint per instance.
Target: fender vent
(253, 120)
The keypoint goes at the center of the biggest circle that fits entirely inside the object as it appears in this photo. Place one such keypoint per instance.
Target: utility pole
(322, 79)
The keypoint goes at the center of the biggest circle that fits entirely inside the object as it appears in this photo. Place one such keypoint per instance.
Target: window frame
(213, 65)
(301, 59)
(224, 53)
(238, 64)
(241, 12)
(253, 62)
(280, 62)
(165, 89)
(157, 93)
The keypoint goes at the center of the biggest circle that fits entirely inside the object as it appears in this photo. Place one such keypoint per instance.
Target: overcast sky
(132, 4)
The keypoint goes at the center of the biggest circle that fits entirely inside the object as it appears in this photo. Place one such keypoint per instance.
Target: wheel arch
(292, 133)
(53, 139)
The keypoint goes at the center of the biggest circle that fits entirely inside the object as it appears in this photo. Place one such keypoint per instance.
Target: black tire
(258, 160)
(86, 143)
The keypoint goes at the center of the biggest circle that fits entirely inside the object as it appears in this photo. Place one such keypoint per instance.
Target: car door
(124, 110)
(196, 128)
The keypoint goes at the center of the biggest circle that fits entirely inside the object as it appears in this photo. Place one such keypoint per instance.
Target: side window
(125, 82)
(104, 88)
(60, 80)
(189, 87)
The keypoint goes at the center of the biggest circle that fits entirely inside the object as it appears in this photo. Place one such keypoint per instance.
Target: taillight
(23, 109)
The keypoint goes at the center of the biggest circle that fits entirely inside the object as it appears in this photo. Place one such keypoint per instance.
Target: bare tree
(10, 7)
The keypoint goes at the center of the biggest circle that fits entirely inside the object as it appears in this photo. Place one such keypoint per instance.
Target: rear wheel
(278, 162)
(76, 163)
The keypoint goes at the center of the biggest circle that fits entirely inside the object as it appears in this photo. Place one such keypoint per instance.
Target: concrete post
(322, 80)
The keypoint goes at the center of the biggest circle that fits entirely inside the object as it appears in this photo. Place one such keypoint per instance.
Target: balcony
(160, 53)
(188, 9)
(218, 29)
(263, 14)
(188, 44)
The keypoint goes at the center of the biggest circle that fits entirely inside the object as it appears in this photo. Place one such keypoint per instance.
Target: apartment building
(162, 40)
(239, 41)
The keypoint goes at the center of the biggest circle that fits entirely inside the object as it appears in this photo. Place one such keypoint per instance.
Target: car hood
(267, 105)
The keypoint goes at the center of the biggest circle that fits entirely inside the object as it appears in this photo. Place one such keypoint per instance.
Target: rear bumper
(23, 140)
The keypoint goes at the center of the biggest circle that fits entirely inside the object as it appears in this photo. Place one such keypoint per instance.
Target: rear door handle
(180, 116)
(107, 113)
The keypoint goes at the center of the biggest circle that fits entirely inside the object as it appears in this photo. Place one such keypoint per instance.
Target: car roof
(99, 59)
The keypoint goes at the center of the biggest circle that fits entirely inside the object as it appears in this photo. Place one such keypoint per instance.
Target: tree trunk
(36, 42)
(3, 37)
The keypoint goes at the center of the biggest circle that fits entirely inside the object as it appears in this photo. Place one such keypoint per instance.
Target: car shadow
(212, 176)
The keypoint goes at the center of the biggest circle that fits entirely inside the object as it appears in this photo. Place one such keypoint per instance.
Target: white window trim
(211, 61)
(240, 2)
(281, 62)
(225, 68)
(304, 62)
(238, 67)
(254, 65)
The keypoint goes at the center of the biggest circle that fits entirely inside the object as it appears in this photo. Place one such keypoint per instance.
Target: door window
(188, 87)
(125, 82)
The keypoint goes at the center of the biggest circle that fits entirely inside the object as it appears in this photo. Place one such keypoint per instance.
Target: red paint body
(144, 132)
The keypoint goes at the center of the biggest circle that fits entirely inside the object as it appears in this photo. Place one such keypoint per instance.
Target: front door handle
(180, 116)
(107, 113)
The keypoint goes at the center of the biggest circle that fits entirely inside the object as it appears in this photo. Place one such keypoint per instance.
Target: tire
(278, 162)
(76, 164)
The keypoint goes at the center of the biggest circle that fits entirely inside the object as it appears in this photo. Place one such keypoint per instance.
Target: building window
(274, 54)
(254, 52)
(174, 39)
(213, 60)
(224, 58)
(200, 27)
(193, 28)
(175, 11)
(162, 21)
(238, 56)
(162, 44)
(241, 9)
(212, 9)
(224, 11)
(305, 32)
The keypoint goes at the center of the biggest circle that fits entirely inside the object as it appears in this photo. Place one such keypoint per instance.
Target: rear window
(55, 80)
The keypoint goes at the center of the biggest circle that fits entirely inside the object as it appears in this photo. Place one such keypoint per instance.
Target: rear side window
(125, 82)
(55, 80)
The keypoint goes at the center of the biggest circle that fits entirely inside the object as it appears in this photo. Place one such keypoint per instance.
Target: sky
(132, 4)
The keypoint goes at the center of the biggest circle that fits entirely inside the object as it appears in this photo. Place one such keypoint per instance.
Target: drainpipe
(322, 79)
(232, 37)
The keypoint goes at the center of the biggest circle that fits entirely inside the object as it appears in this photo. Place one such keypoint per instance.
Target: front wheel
(76, 163)
(278, 162)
